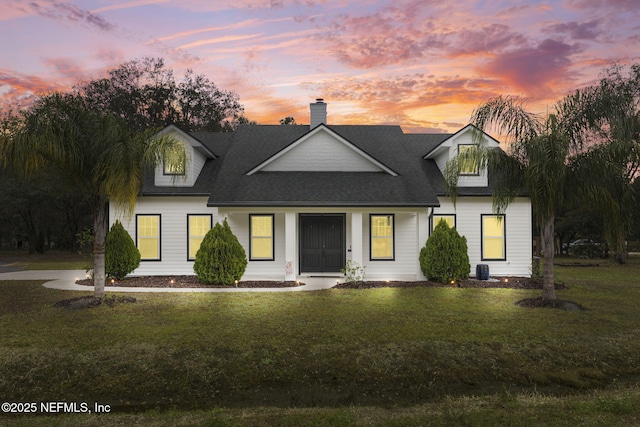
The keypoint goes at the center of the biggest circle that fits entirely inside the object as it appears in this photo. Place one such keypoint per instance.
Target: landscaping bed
(187, 282)
(494, 282)
(193, 282)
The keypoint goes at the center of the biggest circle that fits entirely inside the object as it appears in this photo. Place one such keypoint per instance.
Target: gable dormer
(168, 175)
(450, 147)
(321, 150)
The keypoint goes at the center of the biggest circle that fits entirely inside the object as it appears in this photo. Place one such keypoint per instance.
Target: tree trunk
(99, 237)
(621, 253)
(548, 282)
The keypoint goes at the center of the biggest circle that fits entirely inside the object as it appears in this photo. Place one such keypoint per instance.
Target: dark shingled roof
(225, 179)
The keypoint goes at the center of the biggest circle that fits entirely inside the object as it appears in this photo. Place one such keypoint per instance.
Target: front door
(322, 243)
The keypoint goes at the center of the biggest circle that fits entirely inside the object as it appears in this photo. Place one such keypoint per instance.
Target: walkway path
(65, 280)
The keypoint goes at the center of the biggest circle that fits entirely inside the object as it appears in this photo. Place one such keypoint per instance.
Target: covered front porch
(300, 243)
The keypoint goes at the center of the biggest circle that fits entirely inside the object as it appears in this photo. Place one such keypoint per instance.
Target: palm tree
(536, 164)
(608, 116)
(97, 155)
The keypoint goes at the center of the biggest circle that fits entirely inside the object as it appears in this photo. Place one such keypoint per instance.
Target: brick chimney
(318, 113)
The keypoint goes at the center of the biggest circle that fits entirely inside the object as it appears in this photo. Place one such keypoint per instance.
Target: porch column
(356, 237)
(215, 216)
(290, 243)
(422, 232)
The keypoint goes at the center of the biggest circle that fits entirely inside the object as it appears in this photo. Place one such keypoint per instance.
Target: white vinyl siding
(173, 231)
(322, 152)
(518, 228)
(404, 265)
(273, 269)
(409, 236)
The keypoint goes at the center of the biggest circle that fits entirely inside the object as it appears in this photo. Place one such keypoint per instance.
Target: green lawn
(420, 356)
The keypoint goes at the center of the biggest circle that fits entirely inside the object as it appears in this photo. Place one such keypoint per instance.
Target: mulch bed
(186, 282)
(193, 282)
(495, 282)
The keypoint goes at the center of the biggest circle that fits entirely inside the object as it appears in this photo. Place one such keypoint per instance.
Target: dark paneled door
(322, 243)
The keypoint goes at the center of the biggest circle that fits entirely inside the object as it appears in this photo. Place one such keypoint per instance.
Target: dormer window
(175, 167)
(175, 161)
(466, 160)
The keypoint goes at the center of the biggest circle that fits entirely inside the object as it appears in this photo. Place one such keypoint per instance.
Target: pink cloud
(578, 30)
(11, 9)
(534, 70)
(490, 39)
(624, 5)
(409, 32)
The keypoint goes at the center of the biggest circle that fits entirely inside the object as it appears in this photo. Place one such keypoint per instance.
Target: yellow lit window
(381, 237)
(173, 168)
(261, 237)
(199, 225)
(449, 219)
(493, 241)
(148, 236)
(467, 164)
(175, 162)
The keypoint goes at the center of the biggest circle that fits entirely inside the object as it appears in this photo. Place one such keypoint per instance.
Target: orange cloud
(18, 91)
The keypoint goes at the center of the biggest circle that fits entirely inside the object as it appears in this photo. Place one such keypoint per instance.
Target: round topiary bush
(445, 257)
(221, 258)
(121, 256)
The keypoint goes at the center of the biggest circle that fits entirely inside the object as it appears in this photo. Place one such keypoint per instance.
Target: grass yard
(396, 357)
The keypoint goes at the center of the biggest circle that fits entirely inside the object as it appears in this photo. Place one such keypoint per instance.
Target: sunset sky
(421, 64)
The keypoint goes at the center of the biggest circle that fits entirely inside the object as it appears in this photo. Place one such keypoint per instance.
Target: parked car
(582, 242)
(587, 248)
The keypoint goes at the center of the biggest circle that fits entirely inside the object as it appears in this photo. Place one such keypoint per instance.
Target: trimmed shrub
(445, 257)
(121, 256)
(221, 258)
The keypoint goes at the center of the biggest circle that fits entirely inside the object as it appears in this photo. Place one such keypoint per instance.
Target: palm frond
(508, 117)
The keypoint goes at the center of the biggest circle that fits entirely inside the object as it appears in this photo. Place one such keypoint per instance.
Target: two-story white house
(304, 199)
